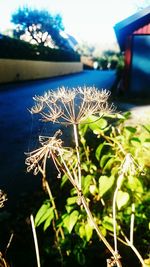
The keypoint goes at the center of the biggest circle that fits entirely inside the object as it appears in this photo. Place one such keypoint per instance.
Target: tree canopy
(39, 27)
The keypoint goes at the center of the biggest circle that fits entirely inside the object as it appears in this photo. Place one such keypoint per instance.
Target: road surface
(20, 130)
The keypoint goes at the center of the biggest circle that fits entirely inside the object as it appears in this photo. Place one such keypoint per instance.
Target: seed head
(36, 160)
(3, 198)
(72, 105)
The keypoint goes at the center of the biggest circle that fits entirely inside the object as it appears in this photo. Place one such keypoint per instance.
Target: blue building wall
(140, 65)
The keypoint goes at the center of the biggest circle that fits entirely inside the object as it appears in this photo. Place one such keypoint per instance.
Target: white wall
(19, 70)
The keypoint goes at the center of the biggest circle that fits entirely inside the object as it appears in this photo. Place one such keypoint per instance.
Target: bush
(16, 49)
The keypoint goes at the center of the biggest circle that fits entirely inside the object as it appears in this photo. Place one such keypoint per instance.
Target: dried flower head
(3, 198)
(72, 106)
(36, 160)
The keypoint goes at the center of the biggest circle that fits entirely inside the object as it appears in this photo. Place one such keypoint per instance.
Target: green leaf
(64, 180)
(108, 223)
(105, 183)
(96, 123)
(45, 216)
(93, 189)
(115, 115)
(134, 184)
(70, 220)
(104, 159)
(147, 127)
(109, 164)
(43, 209)
(48, 221)
(97, 131)
(130, 129)
(80, 257)
(103, 230)
(86, 181)
(84, 166)
(82, 130)
(122, 199)
(82, 231)
(99, 150)
(71, 200)
(69, 208)
(127, 114)
(85, 231)
(88, 231)
(135, 141)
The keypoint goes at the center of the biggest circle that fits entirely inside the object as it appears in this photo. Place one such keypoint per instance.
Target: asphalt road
(19, 130)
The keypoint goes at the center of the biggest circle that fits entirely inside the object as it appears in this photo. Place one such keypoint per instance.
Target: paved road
(19, 129)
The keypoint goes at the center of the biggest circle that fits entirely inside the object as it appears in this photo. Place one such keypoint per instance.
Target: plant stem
(9, 242)
(56, 216)
(54, 206)
(83, 200)
(135, 250)
(114, 220)
(132, 222)
(114, 211)
(125, 166)
(35, 241)
(75, 128)
(89, 214)
(115, 255)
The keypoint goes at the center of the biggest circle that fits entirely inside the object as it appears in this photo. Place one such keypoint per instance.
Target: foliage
(17, 49)
(111, 60)
(107, 59)
(85, 49)
(100, 176)
(113, 197)
(39, 27)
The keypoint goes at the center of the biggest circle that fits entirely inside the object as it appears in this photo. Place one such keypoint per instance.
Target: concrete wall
(20, 70)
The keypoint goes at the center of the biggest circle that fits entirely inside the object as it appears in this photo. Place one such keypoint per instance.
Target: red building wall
(144, 30)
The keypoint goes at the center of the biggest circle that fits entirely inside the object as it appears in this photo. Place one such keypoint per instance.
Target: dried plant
(3, 262)
(3, 198)
(73, 107)
(69, 107)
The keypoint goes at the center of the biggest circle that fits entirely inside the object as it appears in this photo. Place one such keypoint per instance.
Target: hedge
(16, 49)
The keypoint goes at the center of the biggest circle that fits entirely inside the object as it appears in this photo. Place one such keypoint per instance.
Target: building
(133, 35)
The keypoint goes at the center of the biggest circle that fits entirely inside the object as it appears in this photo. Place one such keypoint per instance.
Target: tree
(85, 49)
(39, 27)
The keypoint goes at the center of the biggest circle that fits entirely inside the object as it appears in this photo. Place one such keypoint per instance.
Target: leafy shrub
(16, 49)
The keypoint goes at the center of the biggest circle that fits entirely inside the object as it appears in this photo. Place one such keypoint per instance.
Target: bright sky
(86, 20)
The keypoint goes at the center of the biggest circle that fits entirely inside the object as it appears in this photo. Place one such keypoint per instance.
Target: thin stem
(113, 141)
(115, 255)
(125, 166)
(89, 214)
(9, 242)
(67, 172)
(51, 198)
(56, 215)
(119, 239)
(135, 250)
(78, 154)
(114, 211)
(132, 222)
(54, 206)
(35, 241)
(2, 261)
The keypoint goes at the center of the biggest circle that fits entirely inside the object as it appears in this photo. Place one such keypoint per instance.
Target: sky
(90, 21)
